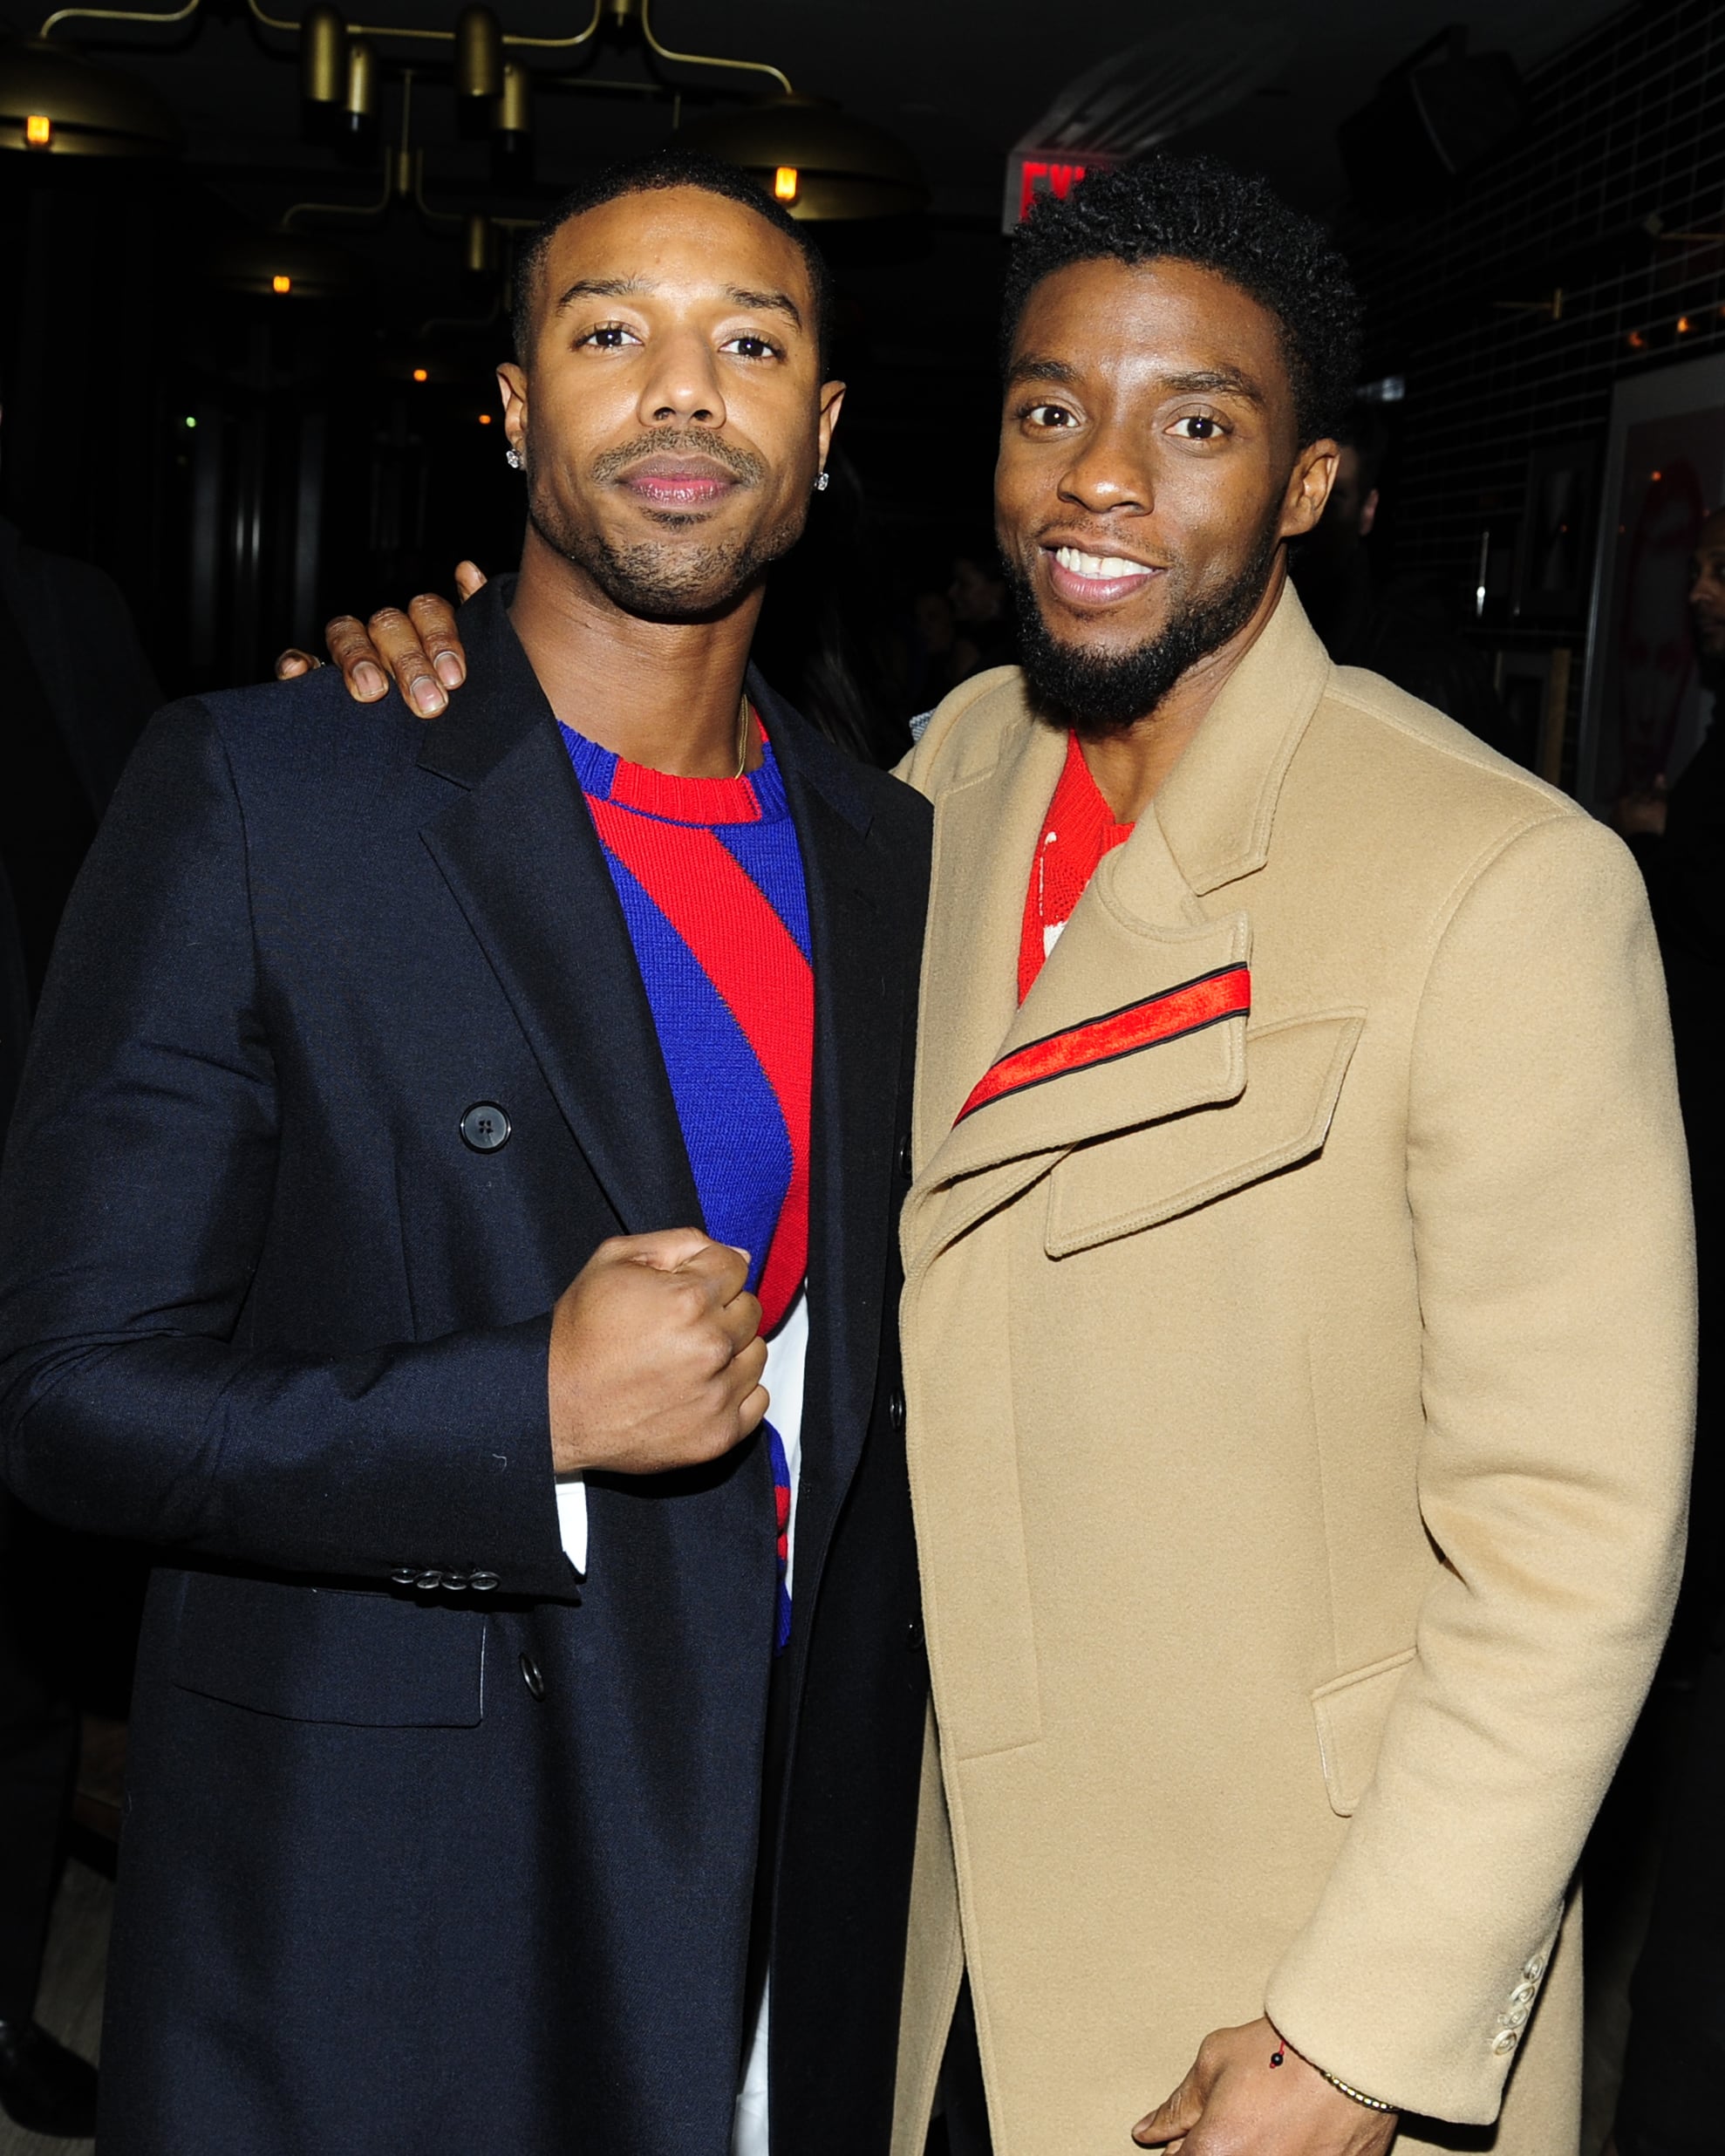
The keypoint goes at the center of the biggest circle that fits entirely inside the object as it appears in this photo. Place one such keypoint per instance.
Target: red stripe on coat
(1188, 1008)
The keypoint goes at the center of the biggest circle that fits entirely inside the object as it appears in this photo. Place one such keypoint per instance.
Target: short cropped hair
(1199, 210)
(651, 175)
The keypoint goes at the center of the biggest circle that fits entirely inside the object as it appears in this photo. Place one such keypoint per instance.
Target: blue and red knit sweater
(709, 878)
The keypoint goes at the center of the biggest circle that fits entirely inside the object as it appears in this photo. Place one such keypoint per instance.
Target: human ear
(832, 401)
(512, 381)
(1309, 485)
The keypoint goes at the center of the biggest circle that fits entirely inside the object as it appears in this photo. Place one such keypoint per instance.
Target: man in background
(78, 690)
(1668, 2105)
(1361, 619)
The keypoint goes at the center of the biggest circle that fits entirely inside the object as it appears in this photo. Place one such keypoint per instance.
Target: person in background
(78, 690)
(822, 638)
(981, 609)
(1361, 619)
(1676, 2062)
(940, 658)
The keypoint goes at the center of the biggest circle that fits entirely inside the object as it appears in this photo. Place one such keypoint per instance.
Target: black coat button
(895, 1413)
(905, 1158)
(482, 1582)
(913, 1634)
(485, 1127)
(531, 1678)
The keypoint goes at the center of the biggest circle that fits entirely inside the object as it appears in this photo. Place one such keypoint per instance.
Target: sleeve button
(482, 1582)
(532, 1677)
(1504, 2041)
(429, 1578)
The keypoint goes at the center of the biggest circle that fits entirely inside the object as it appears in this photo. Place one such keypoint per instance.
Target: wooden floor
(69, 2006)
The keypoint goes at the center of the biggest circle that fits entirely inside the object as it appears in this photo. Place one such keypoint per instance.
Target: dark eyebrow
(1030, 366)
(626, 288)
(603, 288)
(1216, 381)
(774, 302)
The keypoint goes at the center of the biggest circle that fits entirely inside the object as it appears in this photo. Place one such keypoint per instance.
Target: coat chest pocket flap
(329, 1654)
(1116, 1185)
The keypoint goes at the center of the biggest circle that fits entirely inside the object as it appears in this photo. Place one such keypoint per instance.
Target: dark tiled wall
(1628, 124)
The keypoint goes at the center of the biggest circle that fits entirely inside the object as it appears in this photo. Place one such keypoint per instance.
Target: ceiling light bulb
(281, 283)
(784, 183)
(419, 375)
(38, 130)
(485, 418)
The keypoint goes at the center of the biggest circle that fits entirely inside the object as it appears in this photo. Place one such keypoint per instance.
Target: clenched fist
(656, 1356)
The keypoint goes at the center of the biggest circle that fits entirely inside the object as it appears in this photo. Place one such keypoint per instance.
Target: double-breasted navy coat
(470, 1862)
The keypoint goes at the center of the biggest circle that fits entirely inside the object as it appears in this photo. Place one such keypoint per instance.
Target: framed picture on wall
(1643, 709)
(1533, 689)
(1554, 570)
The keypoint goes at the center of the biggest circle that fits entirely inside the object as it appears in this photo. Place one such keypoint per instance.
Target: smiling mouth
(1097, 579)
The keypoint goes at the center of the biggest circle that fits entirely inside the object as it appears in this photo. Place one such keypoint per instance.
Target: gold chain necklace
(742, 737)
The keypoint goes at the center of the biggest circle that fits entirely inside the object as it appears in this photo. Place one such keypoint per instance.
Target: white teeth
(1098, 565)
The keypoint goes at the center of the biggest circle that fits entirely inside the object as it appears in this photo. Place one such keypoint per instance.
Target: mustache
(742, 464)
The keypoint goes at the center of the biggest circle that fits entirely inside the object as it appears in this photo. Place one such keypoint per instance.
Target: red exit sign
(1031, 173)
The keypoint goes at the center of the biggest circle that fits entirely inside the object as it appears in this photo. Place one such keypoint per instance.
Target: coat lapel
(858, 1027)
(522, 861)
(1138, 940)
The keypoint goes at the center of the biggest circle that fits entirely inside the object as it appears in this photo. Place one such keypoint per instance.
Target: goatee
(1098, 693)
(675, 578)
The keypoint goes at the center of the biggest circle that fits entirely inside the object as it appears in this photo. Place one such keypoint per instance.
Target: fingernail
(429, 697)
(449, 671)
(369, 681)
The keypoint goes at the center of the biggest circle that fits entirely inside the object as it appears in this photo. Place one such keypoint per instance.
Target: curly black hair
(666, 168)
(1199, 210)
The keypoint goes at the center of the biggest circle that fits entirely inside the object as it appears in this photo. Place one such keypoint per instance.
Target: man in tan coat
(1298, 1315)
(1299, 1303)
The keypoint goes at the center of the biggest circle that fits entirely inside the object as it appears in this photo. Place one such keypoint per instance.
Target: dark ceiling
(959, 82)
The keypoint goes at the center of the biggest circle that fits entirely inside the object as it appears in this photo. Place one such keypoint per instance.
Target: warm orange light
(38, 130)
(1637, 342)
(280, 283)
(419, 375)
(785, 183)
(1684, 325)
(485, 418)
(1657, 477)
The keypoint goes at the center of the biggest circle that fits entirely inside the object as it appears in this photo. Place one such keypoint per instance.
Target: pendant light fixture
(822, 163)
(57, 104)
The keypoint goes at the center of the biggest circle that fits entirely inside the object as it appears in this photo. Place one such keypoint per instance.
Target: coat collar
(1139, 931)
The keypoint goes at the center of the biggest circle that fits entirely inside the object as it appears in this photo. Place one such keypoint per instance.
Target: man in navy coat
(528, 1719)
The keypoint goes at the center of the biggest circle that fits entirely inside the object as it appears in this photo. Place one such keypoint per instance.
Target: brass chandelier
(818, 161)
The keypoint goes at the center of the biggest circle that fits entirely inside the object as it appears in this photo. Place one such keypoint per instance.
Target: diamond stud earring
(823, 482)
(512, 457)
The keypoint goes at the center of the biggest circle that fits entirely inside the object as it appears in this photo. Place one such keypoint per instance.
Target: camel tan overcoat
(1299, 1412)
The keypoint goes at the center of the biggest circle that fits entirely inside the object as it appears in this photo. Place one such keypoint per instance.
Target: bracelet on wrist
(1358, 2096)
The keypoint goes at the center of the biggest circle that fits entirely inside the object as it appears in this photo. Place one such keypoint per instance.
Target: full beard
(1100, 693)
(669, 579)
